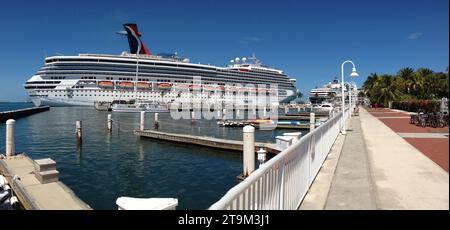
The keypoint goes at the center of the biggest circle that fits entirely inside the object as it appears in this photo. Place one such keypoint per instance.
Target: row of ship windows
(160, 65)
(149, 70)
(187, 74)
(126, 62)
(170, 80)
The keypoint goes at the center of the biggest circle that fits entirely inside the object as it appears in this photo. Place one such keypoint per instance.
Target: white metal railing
(282, 182)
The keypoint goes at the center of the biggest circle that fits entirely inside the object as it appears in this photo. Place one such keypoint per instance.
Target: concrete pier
(14, 114)
(233, 145)
(34, 195)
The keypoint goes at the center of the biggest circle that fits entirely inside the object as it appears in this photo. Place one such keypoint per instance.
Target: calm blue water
(5, 106)
(108, 166)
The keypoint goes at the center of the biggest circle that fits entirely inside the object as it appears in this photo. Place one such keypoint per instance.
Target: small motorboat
(139, 106)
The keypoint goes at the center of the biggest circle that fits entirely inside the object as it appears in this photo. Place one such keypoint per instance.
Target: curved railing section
(282, 182)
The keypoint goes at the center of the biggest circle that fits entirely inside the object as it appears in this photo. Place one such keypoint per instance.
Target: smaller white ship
(139, 106)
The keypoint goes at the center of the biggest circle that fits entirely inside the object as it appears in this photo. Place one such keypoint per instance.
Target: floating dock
(32, 194)
(13, 114)
(217, 143)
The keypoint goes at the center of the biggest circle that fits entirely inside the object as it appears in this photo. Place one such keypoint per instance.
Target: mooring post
(238, 113)
(109, 122)
(262, 155)
(312, 121)
(156, 121)
(10, 138)
(142, 126)
(249, 150)
(78, 127)
(224, 114)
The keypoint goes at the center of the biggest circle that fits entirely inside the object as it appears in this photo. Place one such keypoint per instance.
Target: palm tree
(299, 94)
(406, 74)
(418, 81)
(387, 90)
(373, 80)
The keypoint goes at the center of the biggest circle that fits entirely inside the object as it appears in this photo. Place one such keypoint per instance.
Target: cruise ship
(89, 78)
(327, 93)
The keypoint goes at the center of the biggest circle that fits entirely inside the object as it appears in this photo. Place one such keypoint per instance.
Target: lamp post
(353, 74)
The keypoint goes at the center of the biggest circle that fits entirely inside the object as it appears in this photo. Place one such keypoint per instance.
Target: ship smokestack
(134, 39)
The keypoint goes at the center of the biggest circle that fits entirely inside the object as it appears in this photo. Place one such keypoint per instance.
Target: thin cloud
(249, 40)
(415, 35)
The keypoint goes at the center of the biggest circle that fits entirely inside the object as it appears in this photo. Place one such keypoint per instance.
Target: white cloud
(415, 35)
(249, 40)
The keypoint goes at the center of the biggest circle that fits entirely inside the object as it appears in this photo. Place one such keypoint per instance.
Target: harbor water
(109, 165)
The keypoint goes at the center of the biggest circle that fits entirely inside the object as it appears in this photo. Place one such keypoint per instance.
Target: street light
(353, 74)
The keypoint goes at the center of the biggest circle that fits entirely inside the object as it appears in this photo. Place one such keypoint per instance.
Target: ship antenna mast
(255, 60)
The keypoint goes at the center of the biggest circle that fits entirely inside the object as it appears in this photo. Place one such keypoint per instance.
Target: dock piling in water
(78, 131)
(262, 156)
(142, 126)
(156, 124)
(10, 138)
(109, 122)
(249, 150)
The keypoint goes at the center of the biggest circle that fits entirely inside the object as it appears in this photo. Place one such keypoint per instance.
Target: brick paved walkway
(434, 147)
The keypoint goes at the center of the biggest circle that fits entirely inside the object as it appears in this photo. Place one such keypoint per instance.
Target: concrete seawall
(14, 114)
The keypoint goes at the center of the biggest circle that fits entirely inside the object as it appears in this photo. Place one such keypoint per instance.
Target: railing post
(10, 138)
(249, 150)
(281, 178)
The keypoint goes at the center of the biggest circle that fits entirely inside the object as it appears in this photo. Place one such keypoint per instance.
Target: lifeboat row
(168, 86)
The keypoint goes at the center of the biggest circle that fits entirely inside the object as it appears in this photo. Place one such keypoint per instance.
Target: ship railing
(282, 182)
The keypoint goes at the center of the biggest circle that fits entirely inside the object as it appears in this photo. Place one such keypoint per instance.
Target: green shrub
(428, 106)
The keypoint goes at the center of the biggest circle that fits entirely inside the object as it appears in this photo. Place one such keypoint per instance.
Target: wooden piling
(312, 121)
(249, 150)
(142, 125)
(10, 138)
(78, 128)
(109, 123)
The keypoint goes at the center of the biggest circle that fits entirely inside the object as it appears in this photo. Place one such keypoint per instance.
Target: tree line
(407, 84)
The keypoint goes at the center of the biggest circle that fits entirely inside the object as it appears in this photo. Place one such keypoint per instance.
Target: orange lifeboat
(195, 87)
(105, 84)
(126, 84)
(165, 85)
(143, 85)
(181, 86)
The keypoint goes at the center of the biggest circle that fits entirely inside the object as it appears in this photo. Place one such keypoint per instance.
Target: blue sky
(307, 39)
